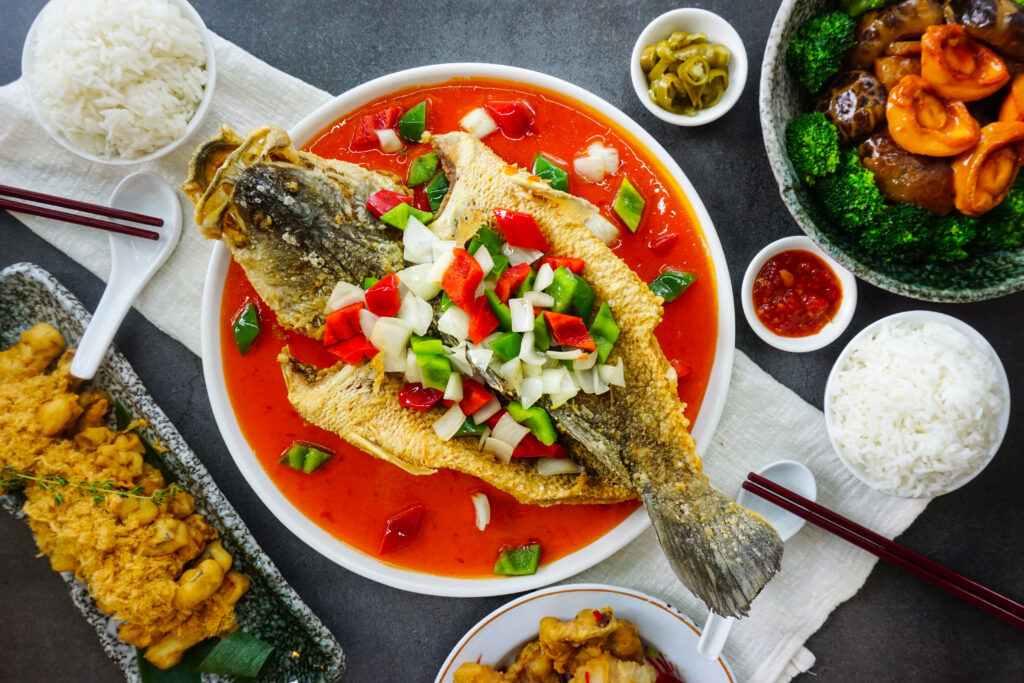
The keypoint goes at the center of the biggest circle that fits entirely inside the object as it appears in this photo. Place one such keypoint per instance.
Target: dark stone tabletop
(896, 628)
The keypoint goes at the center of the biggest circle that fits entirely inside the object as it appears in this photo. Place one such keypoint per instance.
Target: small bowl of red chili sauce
(795, 297)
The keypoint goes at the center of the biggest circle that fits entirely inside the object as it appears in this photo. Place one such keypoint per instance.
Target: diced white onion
(480, 289)
(484, 258)
(528, 354)
(545, 276)
(453, 392)
(603, 229)
(390, 335)
(394, 362)
(366, 322)
(512, 372)
(487, 411)
(600, 386)
(417, 280)
(585, 378)
(419, 242)
(509, 431)
(479, 357)
(478, 123)
(455, 323)
(344, 294)
(552, 380)
(448, 424)
(562, 397)
(522, 315)
(569, 383)
(517, 255)
(416, 312)
(609, 156)
(613, 374)
(483, 438)
(441, 263)
(482, 506)
(389, 140)
(533, 388)
(549, 466)
(530, 370)
(413, 373)
(457, 356)
(585, 362)
(539, 299)
(442, 247)
(498, 448)
(590, 168)
(672, 376)
(569, 354)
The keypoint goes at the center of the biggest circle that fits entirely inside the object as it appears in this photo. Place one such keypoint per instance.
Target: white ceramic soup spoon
(797, 478)
(133, 260)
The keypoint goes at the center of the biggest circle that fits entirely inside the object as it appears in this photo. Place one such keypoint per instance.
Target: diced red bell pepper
(492, 421)
(354, 350)
(382, 201)
(419, 397)
(365, 136)
(521, 230)
(682, 369)
(663, 243)
(531, 447)
(342, 324)
(474, 396)
(402, 528)
(510, 281)
(461, 279)
(515, 119)
(482, 320)
(570, 330)
(574, 265)
(383, 298)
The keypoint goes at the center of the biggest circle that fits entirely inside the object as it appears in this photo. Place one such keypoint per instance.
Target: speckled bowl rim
(786, 180)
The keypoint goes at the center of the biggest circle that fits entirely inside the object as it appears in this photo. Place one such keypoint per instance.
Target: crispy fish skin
(637, 436)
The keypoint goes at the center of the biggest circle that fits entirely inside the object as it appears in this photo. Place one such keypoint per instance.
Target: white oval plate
(506, 629)
(371, 567)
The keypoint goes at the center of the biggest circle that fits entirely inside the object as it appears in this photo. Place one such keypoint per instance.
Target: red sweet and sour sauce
(796, 294)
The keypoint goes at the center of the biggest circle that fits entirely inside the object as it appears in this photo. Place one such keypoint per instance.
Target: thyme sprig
(12, 477)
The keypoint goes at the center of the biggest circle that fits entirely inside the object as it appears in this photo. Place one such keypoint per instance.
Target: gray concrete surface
(895, 629)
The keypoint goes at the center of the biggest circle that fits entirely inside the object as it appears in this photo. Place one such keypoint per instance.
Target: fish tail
(721, 551)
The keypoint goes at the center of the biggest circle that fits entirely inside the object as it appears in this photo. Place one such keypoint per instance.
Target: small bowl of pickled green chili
(689, 67)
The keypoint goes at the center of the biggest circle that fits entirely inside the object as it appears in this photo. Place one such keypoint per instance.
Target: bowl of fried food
(895, 129)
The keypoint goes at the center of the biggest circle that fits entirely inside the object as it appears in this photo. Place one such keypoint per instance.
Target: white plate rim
(373, 568)
(592, 590)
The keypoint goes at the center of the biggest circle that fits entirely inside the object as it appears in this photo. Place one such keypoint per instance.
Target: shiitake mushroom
(855, 103)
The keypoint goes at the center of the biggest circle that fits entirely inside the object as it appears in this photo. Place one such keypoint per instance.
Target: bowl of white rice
(119, 81)
(917, 404)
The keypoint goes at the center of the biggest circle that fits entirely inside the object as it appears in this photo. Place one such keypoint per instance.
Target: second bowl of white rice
(917, 404)
(119, 81)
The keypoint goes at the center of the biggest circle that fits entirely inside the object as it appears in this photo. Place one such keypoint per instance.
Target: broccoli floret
(817, 48)
(855, 8)
(849, 195)
(813, 145)
(898, 234)
(949, 235)
(1003, 226)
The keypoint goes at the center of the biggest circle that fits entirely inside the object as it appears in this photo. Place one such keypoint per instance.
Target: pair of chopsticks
(890, 551)
(40, 198)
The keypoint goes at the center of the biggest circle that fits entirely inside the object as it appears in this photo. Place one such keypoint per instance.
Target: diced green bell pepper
(422, 169)
(549, 171)
(604, 331)
(671, 284)
(294, 456)
(471, 428)
(562, 289)
(315, 457)
(501, 312)
(370, 282)
(486, 237)
(246, 328)
(305, 457)
(520, 561)
(446, 301)
(399, 216)
(499, 267)
(527, 284)
(436, 190)
(413, 122)
(436, 370)
(537, 419)
(629, 205)
(507, 346)
(583, 299)
(421, 345)
(541, 336)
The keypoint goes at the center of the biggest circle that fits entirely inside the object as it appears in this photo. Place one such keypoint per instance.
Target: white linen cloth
(763, 420)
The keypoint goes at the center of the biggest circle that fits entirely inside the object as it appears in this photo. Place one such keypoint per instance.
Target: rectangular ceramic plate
(271, 610)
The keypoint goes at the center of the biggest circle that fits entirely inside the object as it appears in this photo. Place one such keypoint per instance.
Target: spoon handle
(113, 307)
(715, 633)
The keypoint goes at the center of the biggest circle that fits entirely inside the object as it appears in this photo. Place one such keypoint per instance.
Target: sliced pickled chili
(382, 201)
(510, 281)
(383, 297)
(570, 331)
(419, 397)
(402, 528)
(796, 294)
(521, 230)
(515, 118)
(246, 328)
(342, 324)
(365, 135)
(520, 561)
(573, 265)
(461, 279)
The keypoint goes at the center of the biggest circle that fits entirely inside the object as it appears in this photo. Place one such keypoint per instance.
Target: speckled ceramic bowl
(983, 276)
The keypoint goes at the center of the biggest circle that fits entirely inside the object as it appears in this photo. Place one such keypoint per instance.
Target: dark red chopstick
(98, 209)
(890, 551)
(109, 226)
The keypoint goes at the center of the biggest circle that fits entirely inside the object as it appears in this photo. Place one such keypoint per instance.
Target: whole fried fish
(634, 439)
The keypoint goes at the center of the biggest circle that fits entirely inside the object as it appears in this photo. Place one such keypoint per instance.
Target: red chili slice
(663, 243)
(342, 324)
(515, 119)
(383, 298)
(382, 201)
(354, 350)
(474, 396)
(402, 528)
(510, 281)
(571, 264)
(461, 279)
(570, 330)
(531, 447)
(482, 320)
(521, 230)
(365, 136)
(419, 397)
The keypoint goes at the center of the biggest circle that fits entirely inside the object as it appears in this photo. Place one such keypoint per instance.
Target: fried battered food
(151, 561)
(594, 647)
